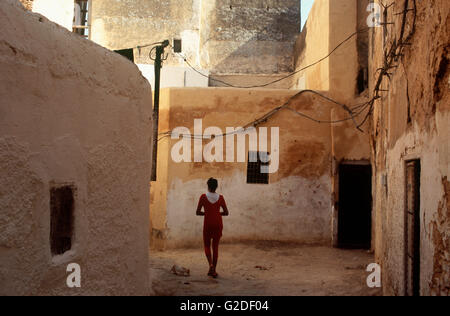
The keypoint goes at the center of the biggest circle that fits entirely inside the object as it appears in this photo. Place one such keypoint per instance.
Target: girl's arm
(224, 207)
(199, 207)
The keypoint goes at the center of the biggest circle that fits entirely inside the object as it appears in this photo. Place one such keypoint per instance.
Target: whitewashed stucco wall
(294, 209)
(71, 112)
(58, 11)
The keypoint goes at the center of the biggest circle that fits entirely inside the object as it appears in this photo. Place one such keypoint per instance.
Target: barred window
(254, 164)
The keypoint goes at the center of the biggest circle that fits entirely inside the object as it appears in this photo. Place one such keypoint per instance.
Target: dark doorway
(412, 228)
(355, 206)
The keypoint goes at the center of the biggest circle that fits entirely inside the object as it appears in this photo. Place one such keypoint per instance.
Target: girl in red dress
(212, 225)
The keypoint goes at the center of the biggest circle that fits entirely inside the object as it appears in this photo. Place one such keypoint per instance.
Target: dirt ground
(263, 269)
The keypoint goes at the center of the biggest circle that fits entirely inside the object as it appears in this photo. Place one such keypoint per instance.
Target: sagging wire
(268, 115)
(390, 58)
(279, 79)
(351, 112)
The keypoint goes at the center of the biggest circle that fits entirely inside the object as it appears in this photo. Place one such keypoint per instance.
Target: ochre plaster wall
(295, 206)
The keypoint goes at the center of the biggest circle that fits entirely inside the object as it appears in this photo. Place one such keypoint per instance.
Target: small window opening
(362, 44)
(81, 18)
(61, 219)
(363, 82)
(385, 29)
(177, 48)
(254, 164)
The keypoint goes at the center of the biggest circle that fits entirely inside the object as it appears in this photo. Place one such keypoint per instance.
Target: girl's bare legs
(207, 243)
(215, 255)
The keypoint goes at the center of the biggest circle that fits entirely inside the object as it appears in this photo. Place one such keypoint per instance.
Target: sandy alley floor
(263, 268)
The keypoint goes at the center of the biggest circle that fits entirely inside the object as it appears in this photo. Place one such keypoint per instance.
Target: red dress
(212, 225)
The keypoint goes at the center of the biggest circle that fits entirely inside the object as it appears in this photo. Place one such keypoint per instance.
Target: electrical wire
(271, 113)
(280, 79)
(354, 112)
(394, 53)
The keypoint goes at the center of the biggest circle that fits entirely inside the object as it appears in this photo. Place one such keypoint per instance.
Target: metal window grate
(254, 164)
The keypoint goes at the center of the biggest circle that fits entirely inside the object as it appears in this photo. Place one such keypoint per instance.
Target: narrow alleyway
(264, 268)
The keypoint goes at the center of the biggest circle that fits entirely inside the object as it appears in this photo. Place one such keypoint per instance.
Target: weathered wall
(270, 81)
(411, 121)
(130, 23)
(343, 63)
(294, 206)
(58, 11)
(311, 45)
(71, 112)
(329, 24)
(249, 36)
(158, 190)
(232, 36)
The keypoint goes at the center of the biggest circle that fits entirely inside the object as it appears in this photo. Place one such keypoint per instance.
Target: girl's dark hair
(212, 184)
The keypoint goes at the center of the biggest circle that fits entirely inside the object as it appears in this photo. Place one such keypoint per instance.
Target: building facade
(410, 146)
(301, 201)
(74, 162)
(240, 41)
(363, 151)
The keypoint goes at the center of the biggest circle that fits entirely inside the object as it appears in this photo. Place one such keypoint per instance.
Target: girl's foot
(211, 271)
(214, 274)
